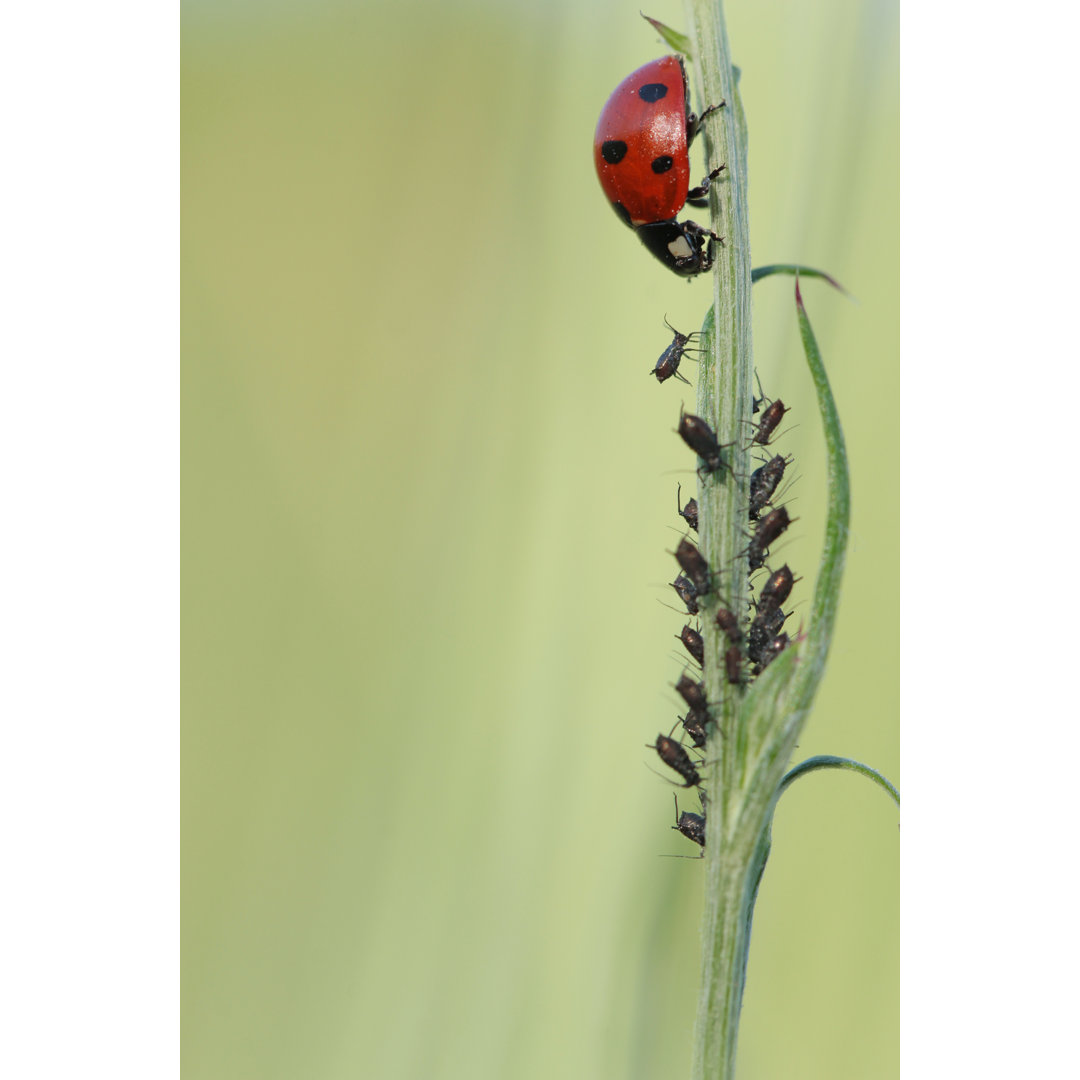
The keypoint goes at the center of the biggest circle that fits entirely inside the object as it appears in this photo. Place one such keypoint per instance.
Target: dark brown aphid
(702, 440)
(675, 757)
(693, 693)
(763, 484)
(671, 357)
(733, 665)
(694, 566)
(770, 418)
(692, 826)
(687, 593)
(769, 528)
(688, 512)
(729, 624)
(776, 590)
(694, 643)
(771, 652)
(763, 629)
(695, 728)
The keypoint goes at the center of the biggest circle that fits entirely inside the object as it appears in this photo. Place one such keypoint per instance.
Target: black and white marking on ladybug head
(680, 248)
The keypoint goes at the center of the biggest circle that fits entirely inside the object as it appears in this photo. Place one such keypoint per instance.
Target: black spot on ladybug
(652, 91)
(613, 151)
(662, 163)
(623, 213)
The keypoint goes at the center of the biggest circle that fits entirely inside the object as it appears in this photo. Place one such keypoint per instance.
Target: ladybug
(641, 153)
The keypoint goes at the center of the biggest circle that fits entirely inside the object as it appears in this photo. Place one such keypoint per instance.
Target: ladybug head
(682, 246)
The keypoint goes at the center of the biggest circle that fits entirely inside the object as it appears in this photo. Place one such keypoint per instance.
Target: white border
(89, 448)
(988, 394)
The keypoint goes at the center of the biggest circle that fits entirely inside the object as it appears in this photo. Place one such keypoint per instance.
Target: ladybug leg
(696, 196)
(693, 123)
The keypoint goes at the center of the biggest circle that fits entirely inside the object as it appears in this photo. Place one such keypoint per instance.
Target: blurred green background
(428, 494)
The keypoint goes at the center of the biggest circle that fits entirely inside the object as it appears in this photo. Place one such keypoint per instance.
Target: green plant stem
(733, 858)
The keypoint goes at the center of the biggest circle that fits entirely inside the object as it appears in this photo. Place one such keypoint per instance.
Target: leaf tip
(679, 42)
(837, 286)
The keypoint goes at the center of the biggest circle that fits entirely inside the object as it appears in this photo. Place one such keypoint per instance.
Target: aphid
(671, 357)
(695, 728)
(729, 624)
(688, 512)
(694, 566)
(769, 528)
(771, 652)
(770, 418)
(687, 593)
(693, 642)
(702, 440)
(692, 826)
(764, 482)
(733, 665)
(641, 151)
(763, 629)
(776, 590)
(693, 693)
(675, 756)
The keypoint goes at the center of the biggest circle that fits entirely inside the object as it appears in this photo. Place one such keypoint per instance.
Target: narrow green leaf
(807, 674)
(760, 272)
(679, 42)
(830, 761)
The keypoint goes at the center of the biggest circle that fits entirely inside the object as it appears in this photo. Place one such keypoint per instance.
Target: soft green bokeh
(428, 493)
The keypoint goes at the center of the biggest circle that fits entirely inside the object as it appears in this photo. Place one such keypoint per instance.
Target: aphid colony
(641, 152)
(746, 643)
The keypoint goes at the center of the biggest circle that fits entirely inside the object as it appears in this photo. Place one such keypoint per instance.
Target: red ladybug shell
(640, 145)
